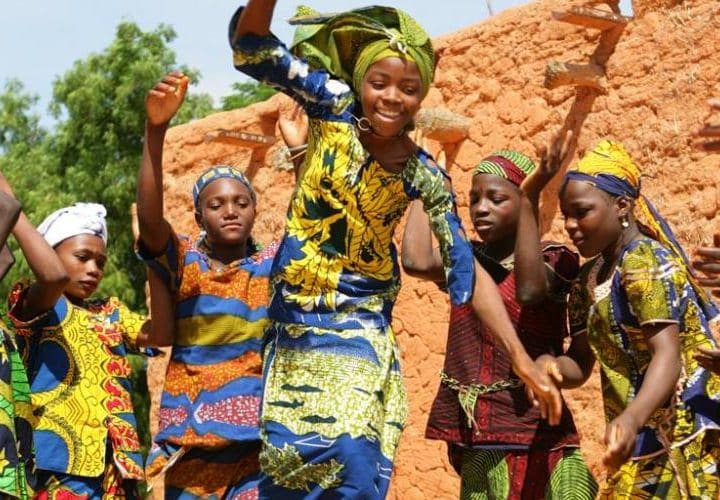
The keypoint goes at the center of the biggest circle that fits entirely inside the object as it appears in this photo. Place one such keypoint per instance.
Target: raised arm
(255, 18)
(532, 277)
(161, 104)
(50, 274)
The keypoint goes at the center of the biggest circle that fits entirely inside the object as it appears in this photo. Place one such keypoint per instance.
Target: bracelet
(301, 147)
(291, 157)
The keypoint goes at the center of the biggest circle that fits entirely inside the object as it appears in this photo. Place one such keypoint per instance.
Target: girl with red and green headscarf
(497, 441)
(334, 401)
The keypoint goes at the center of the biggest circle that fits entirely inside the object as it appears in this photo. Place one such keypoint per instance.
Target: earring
(364, 124)
(624, 223)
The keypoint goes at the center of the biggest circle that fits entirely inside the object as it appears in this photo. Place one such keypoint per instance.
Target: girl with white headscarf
(75, 348)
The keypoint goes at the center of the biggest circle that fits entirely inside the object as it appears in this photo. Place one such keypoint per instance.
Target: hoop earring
(364, 124)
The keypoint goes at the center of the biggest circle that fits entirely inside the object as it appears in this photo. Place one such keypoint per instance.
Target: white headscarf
(81, 218)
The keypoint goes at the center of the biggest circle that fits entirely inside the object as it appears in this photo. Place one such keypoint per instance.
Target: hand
(708, 359)
(165, 98)
(294, 127)
(541, 389)
(620, 437)
(710, 131)
(551, 159)
(707, 261)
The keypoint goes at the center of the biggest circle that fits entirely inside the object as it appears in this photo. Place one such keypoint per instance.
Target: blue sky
(40, 39)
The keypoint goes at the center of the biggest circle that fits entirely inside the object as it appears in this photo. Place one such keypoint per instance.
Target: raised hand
(294, 127)
(165, 98)
(552, 158)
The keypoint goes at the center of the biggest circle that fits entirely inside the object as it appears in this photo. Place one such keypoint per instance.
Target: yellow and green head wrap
(348, 43)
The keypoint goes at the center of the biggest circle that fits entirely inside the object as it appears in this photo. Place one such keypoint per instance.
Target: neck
(500, 249)
(228, 254)
(612, 252)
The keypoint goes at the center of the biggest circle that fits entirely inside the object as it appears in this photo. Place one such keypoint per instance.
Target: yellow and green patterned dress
(334, 402)
(16, 465)
(676, 452)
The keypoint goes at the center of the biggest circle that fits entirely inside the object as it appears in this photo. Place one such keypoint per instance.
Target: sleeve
(653, 283)
(578, 306)
(130, 324)
(267, 59)
(564, 265)
(427, 182)
(16, 298)
(169, 264)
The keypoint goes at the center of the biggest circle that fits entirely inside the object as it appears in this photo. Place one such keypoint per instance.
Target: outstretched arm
(255, 18)
(161, 104)
(50, 274)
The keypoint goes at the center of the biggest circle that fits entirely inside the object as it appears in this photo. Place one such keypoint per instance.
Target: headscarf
(348, 43)
(80, 218)
(219, 172)
(512, 166)
(610, 168)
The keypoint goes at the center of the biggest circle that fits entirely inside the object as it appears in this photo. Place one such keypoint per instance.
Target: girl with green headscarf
(334, 401)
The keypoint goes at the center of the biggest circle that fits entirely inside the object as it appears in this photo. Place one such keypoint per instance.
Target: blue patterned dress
(334, 402)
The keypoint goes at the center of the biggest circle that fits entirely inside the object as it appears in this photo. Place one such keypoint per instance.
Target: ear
(624, 206)
(199, 220)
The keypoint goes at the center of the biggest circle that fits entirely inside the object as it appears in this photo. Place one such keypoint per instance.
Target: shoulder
(646, 254)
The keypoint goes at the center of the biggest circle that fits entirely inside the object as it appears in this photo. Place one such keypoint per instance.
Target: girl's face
(84, 257)
(494, 207)
(391, 94)
(592, 217)
(227, 212)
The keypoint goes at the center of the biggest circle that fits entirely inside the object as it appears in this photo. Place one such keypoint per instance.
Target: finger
(711, 353)
(156, 93)
(165, 88)
(556, 412)
(709, 252)
(709, 282)
(176, 73)
(566, 145)
(554, 371)
(707, 267)
(710, 146)
(182, 87)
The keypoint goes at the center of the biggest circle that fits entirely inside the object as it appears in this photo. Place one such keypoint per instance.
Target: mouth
(482, 225)
(578, 241)
(388, 115)
(88, 285)
(232, 226)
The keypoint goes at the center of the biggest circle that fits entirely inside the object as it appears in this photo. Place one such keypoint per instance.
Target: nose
(93, 269)
(230, 211)
(480, 208)
(570, 225)
(391, 94)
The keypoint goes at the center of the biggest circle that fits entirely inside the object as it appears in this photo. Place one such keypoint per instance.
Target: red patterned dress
(493, 431)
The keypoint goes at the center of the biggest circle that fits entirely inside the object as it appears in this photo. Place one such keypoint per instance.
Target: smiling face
(83, 257)
(391, 94)
(494, 207)
(227, 212)
(592, 217)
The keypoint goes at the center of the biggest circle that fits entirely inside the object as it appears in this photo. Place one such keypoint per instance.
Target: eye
(377, 85)
(411, 90)
(497, 200)
(101, 263)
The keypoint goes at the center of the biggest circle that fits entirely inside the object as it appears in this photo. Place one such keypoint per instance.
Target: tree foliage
(247, 93)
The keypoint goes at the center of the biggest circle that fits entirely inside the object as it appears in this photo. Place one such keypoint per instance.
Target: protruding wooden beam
(558, 74)
(240, 138)
(709, 131)
(591, 18)
(442, 125)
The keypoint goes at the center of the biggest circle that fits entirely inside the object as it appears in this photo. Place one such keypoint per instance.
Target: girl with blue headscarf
(334, 400)
(638, 308)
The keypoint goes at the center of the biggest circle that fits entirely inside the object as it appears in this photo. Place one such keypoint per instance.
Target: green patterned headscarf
(348, 43)
(512, 166)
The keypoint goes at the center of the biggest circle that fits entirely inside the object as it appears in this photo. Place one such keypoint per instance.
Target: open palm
(165, 98)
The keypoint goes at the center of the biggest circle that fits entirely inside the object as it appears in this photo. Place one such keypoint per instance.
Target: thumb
(182, 87)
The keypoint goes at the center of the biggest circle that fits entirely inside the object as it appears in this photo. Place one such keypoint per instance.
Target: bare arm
(419, 258)
(255, 18)
(532, 276)
(50, 274)
(159, 330)
(162, 102)
(574, 367)
(658, 385)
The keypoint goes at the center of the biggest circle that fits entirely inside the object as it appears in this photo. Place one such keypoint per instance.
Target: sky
(40, 39)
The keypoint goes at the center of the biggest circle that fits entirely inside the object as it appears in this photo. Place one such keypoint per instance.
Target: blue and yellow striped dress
(334, 401)
(208, 438)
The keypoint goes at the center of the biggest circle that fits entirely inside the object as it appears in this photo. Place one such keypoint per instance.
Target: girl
(638, 307)
(17, 478)
(75, 351)
(497, 441)
(334, 401)
(208, 438)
